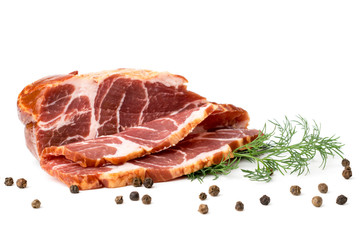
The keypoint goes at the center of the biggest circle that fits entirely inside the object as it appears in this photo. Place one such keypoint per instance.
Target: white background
(273, 58)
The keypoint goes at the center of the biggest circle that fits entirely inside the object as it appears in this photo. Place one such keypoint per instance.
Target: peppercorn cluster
(317, 201)
(21, 183)
(137, 182)
(214, 191)
(347, 173)
(134, 195)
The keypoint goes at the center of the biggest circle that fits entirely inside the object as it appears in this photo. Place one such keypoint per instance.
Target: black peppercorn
(146, 199)
(214, 190)
(134, 196)
(341, 200)
(74, 189)
(202, 196)
(36, 203)
(345, 162)
(119, 199)
(148, 182)
(203, 208)
(265, 200)
(295, 190)
(239, 206)
(347, 174)
(317, 201)
(348, 168)
(21, 183)
(323, 188)
(9, 181)
(136, 182)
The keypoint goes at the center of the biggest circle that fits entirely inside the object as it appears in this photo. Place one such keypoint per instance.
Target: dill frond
(277, 150)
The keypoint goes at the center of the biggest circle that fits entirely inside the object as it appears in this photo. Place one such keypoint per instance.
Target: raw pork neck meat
(193, 153)
(69, 108)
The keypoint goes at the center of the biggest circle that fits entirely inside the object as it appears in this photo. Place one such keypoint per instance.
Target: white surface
(273, 58)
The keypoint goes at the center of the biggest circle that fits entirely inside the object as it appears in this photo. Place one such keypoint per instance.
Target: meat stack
(103, 129)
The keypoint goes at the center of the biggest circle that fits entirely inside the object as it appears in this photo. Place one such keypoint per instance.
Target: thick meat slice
(63, 109)
(193, 153)
(133, 142)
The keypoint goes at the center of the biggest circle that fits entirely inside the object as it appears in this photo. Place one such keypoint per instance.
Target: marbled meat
(103, 129)
(133, 142)
(69, 108)
(193, 153)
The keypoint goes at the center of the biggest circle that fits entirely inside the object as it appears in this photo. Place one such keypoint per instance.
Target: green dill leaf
(278, 150)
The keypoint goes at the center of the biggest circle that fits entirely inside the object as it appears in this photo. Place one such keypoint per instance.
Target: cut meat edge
(164, 169)
(225, 116)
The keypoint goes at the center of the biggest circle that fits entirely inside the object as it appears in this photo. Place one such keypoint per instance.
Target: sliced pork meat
(193, 153)
(94, 130)
(134, 142)
(69, 108)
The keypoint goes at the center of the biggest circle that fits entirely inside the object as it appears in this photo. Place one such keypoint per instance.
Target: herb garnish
(276, 151)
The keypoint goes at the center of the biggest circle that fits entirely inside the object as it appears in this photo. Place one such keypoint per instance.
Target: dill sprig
(278, 151)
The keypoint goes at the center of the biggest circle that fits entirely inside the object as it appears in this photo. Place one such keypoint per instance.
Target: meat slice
(193, 153)
(63, 109)
(133, 142)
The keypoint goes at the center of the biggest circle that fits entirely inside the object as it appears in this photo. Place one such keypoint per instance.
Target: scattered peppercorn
(214, 190)
(341, 200)
(21, 183)
(134, 196)
(74, 189)
(347, 174)
(136, 182)
(9, 181)
(148, 182)
(295, 190)
(317, 201)
(265, 200)
(239, 206)
(119, 199)
(36, 203)
(203, 208)
(345, 162)
(202, 196)
(323, 188)
(146, 199)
